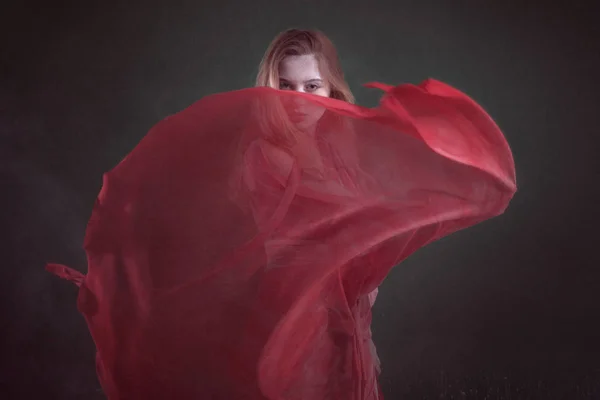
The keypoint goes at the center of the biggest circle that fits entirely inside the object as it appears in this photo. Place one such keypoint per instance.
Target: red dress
(235, 253)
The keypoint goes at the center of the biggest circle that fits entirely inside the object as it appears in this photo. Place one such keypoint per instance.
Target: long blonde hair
(296, 42)
(272, 123)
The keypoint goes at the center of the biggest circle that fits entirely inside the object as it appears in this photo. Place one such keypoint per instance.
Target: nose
(300, 103)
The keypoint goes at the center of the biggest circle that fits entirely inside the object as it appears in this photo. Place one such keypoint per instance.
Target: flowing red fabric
(235, 253)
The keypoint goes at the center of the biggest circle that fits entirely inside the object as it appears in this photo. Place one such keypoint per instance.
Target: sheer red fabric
(235, 253)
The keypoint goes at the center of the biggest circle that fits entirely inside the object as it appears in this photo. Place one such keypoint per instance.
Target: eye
(284, 85)
(312, 87)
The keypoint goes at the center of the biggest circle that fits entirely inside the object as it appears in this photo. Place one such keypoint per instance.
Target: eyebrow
(307, 81)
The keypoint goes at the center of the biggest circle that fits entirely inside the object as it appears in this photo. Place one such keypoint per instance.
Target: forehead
(299, 68)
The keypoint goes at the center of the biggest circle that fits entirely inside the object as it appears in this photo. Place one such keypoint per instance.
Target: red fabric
(235, 253)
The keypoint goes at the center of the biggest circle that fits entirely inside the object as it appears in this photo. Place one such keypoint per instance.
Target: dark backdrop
(510, 305)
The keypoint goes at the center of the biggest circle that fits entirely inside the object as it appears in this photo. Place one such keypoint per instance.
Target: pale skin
(301, 74)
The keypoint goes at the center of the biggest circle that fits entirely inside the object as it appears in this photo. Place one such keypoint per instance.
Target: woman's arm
(312, 184)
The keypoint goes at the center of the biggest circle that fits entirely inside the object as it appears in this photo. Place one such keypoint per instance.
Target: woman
(239, 257)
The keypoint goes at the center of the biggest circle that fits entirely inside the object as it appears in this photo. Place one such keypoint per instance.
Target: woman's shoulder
(278, 158)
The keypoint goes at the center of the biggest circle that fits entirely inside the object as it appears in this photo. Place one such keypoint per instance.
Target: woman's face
(301, 74)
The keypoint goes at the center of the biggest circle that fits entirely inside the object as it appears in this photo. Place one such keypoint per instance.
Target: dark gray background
(515, 299)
